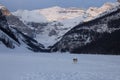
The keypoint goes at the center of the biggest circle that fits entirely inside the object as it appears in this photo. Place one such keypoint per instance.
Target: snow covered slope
(26, 66)
(53, 31)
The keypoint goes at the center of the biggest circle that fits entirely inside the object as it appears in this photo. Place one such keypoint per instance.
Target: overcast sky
(38, 4)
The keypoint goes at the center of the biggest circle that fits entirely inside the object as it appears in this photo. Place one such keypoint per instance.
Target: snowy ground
(58, 67)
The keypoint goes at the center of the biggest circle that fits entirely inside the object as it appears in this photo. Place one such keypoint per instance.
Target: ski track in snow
(45, 66)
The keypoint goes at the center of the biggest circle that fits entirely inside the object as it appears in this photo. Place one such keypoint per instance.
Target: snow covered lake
(44, 66)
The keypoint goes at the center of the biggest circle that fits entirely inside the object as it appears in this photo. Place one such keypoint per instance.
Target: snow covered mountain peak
(4, 10)
(57, 13)
(95, 11)
(49, 14)
(108, 6)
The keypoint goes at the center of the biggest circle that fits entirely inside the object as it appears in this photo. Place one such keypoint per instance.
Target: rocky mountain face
(14, 21)
(12, 37)
(100, 35)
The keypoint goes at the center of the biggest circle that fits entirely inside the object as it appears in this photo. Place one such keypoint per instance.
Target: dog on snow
(75, 60)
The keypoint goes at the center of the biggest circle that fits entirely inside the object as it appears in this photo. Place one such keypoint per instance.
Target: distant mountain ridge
(57, 13)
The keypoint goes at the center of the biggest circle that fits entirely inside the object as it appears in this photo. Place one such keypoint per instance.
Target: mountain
(53, 27)
(57, 13)
(47, 32)
(98, 36)
(13, 38)
(48, 25)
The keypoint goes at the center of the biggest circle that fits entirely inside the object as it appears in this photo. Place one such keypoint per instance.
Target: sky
(14, 5)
